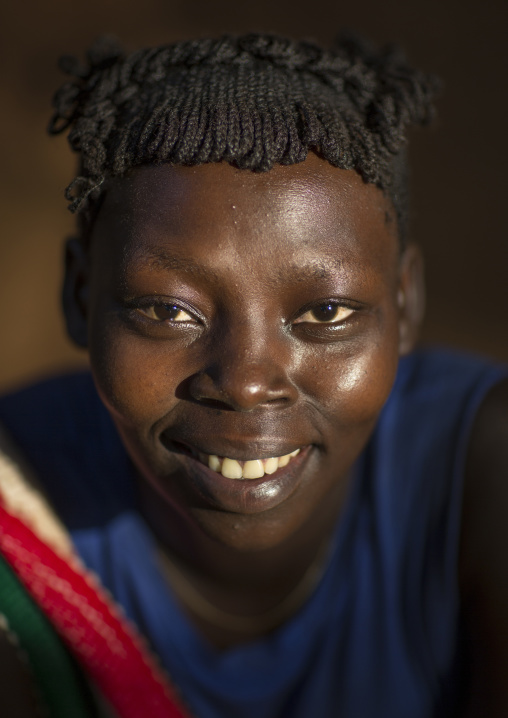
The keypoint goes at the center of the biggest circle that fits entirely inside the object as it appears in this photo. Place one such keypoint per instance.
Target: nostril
(279, 401)
(215, 404)
(191, 390)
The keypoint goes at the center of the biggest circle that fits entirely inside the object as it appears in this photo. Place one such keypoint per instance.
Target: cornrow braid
(253, 101)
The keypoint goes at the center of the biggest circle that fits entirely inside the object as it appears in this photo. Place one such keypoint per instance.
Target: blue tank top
(379, 638)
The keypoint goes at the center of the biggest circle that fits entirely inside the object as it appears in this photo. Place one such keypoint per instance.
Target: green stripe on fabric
(61, 686)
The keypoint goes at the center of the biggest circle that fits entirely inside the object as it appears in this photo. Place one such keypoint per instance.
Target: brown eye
(167, 313)
(328, 312)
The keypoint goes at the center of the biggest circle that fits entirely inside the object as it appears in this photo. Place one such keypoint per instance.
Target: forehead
(310, 209)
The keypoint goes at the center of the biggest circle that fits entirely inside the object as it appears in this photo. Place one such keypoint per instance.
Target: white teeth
(214, 462)
(253, 469)
(271, 466)
(231, 469)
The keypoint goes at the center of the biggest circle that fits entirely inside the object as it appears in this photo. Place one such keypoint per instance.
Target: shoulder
(486, 476)
(52, 413)
(50, 399)
(67, 437)
(427, 421)
(484, 554)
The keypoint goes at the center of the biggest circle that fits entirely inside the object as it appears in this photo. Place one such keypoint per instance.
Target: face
(234, 318)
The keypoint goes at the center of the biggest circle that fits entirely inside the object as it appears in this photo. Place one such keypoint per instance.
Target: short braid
(253, 101)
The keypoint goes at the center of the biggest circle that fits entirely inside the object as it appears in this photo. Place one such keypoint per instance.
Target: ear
(75, 291)
(410, 297)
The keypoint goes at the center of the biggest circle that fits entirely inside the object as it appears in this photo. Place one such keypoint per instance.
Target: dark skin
(245, 370)
(248, 372)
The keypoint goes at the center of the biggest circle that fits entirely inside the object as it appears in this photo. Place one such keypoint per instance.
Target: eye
(326, 313)
(167, 312)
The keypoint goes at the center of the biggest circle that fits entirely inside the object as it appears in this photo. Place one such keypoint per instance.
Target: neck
(253, 583)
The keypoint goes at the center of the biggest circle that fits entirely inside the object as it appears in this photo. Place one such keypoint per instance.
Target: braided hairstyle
(253, 101)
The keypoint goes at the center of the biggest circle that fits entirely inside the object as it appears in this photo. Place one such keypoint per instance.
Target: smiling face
(237, 317)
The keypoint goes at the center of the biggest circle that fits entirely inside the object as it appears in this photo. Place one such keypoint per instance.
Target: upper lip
(233, 449)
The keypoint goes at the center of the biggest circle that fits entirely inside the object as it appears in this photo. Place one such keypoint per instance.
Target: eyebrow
(317, 269)
(158, 258)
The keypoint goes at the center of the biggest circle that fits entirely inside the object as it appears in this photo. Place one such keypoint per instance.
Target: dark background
(460, 203)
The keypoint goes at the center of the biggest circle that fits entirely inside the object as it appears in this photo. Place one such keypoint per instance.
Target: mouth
(245, 485)
(247, 470)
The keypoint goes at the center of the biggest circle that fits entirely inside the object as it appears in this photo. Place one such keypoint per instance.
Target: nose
(246, 371)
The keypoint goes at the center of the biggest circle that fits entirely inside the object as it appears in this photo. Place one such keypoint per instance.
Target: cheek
(352, 383)
(136, 379)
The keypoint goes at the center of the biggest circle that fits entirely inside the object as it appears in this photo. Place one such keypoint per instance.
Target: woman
(291, 532)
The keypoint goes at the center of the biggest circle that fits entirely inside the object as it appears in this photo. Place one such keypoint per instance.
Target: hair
(253, 101)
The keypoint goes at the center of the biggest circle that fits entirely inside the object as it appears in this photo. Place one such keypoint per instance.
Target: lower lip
(246, 496)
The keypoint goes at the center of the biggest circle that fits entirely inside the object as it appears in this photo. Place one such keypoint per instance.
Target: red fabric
(90, 624)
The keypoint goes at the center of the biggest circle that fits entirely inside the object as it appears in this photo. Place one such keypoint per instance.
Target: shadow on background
(459, 213)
